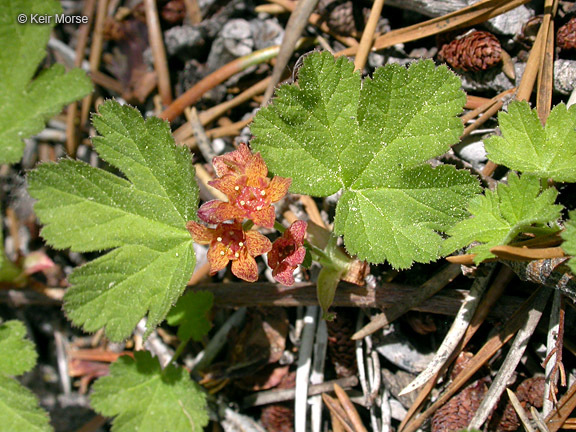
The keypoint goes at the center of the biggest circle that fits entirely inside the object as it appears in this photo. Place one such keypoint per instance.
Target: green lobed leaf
(143, 217)
(332, 132)
(143, 398)
(548, 152)
(17, 354)
(19, 409)
(499, 216)
(190, 314)
(569, 236)
(25, 105)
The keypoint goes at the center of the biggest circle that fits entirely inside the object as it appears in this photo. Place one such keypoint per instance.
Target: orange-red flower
(288, 252)
(229, 242)
(249, 190)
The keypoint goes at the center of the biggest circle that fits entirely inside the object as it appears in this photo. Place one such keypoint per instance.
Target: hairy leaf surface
(142, 397)
(499, 216)
(25, 105)
(19, 409)
(371, 140)
(142, 218)
(548, 152)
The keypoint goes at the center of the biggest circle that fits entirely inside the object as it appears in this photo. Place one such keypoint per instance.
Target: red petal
(200, 233)
(216, 211)
(278, 188)
(234, 162)
(256, 169)
(216, 259)
(296, 258)
(298, 231)
(257, 244)
(245, 267)
(264, 217)
(284, 274)
(227, 184)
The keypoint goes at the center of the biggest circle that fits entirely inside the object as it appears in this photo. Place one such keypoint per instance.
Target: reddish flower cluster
(243, 178)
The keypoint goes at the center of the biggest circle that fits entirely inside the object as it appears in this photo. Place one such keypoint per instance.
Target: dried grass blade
(456, 332)
(427, 290)
(520, 411)
(512, 359)
(515, 253)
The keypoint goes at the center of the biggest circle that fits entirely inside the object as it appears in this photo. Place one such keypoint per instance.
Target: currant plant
(526, 203)
(25, 104)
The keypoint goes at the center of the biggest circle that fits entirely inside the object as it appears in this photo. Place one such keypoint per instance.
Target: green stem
(177, 353)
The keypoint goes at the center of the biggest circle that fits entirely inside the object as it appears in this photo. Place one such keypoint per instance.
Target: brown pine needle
(368, 35)
(158, 51)
(349, 408)
(514, 253)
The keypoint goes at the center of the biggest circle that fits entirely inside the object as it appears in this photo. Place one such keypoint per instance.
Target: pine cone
(277, 418)
(475, 51)
(529, 393)
(458, 411)
(566, 36)
(343, 17)
(173, 12)
(341, 348)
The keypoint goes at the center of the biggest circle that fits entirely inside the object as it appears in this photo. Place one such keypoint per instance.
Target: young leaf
(144, 398)
(143, 218)
(371, 140)
(499, 216)
(190, 314)
(19, 410)
(24, 106)
(569, 236)
(548, 152)
(8, 271)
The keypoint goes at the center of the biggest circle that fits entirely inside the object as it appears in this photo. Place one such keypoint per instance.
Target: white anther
(240, 244)
(237, 255)
(219, 239)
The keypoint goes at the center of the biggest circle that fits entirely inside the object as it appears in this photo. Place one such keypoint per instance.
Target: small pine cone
(113, 30)
(475, 51)
(342, 17)
(341, 348)
(458, 411)
(529, 393)
(173, 12)
(566, 36)
(277, 418)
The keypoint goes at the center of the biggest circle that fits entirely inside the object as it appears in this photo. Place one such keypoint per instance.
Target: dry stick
(519, 410)
(337, 411)
(540, 424)
(481, 120)
(193, 11)
(551, 355)
(514, 253)
(546, 76)
(494, 294)
(316, 20)
(185, 131)
(107, 81)
(72, 114)
(232, 129)
(282, 395)
(512, 359)
(298, 20)
(486, 104)
(368, 35)
(348, 295)
(158, 51)
(477, 13)
(349, 408)
(566, 405)
(202, 140)
(95, 53)
(303, 369)
(427, 290)
(192, 95)
(456, 332)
